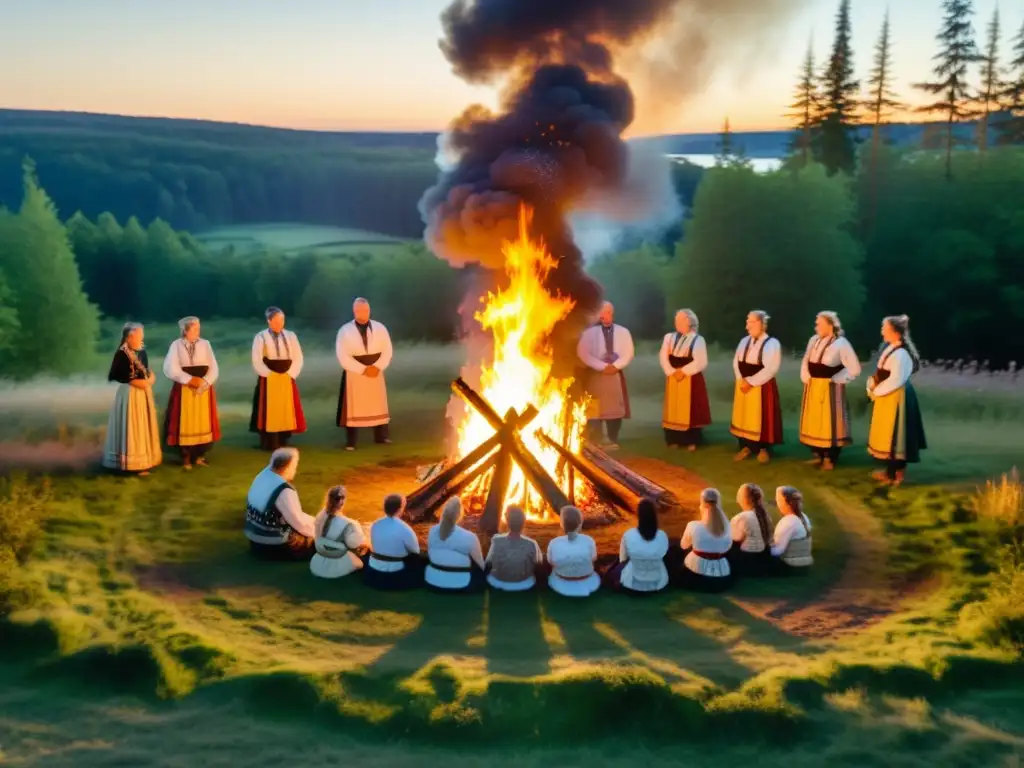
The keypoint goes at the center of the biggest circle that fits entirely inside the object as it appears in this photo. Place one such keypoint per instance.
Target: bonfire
(521, 438)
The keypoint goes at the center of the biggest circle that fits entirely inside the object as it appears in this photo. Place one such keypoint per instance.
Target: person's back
(275, 524)
(394, 561)
(747, 530)
(572, 558)
(339, 539)
(707, 555)
(513, 562)
(450, 560)
(645, 569)
(792, 540)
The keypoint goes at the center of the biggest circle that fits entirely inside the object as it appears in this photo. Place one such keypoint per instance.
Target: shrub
(22, 506)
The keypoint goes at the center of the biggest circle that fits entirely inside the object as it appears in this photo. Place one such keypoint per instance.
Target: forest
(851, 222)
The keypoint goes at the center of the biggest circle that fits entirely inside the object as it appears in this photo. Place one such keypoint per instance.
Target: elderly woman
(756, 412)
(751, 532)
(829, 364)
(455, 562)
(340, 541)
(276, 406)
(642, 551)
(684, 356)
(572, 557)
(897, 430)
(275, 525)
(513, 559)
(792, 541)
(133, 434)
(191, 422)
(706, 543)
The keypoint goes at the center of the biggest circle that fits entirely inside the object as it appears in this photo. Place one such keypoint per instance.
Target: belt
(710, 555)
(450, 568)
(574, 578)
(388, 558)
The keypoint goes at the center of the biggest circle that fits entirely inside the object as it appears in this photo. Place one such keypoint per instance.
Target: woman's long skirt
(133, 432)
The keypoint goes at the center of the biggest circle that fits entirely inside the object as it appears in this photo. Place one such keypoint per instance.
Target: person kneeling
(751, 533)
(791, 550)
(340, 542)
(513, 558)
(395, 561)
(572, 558)
(706, 543)
(275, 524)
(641, 568)
(455, 562)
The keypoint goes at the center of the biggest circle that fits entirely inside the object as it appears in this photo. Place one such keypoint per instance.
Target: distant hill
(198, 174)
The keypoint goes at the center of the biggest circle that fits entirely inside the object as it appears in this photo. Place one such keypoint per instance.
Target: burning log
(637, 484)
(535, 473)
(491, 516)
(613, 490)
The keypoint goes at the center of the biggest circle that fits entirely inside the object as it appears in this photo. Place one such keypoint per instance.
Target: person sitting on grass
(641, 567)
(395, 561)
(792, 544)
(513, 559)
(572, 558)
(455, 562)
(340, 541)
(275, 524)
(751, 532)
(706, 543)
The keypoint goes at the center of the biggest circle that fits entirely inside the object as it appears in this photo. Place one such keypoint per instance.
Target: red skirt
(185, 425)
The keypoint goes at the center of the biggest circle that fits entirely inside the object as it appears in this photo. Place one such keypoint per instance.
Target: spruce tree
(992, 86)
(58, 325)
(724, 145)
(1011, 131)
(840, 102)
(951, 88)
(880, 103)
(805, 110)
(8, 320)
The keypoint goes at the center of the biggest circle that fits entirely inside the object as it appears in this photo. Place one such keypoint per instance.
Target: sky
(376, 65)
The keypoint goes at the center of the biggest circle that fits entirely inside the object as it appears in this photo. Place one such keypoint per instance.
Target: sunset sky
(372, 64)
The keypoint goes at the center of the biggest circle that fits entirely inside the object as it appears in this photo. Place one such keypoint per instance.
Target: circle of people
(275, 523)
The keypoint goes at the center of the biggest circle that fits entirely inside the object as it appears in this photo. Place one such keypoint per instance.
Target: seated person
(455, 562)
(340, 541)
(275, 524)
(641, 568)
(513, 558)
(706, 543)
(751, 533)
(572, 558)
(792, 545)
(395, 561)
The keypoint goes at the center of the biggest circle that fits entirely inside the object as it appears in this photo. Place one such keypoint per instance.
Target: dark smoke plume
(556, 143)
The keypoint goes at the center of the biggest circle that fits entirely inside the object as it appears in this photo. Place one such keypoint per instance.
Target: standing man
(364, 351)
(606, 349)
(276, 406)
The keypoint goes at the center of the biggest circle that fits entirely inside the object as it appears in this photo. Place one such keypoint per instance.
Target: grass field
(144, 635)
(297, 238)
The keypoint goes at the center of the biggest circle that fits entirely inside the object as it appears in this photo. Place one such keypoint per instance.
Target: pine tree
(725, 150)
(1012, 130)
(957, 52)
(880, 103)
(992, 86)
(806, 109)
(840, 102)
(58, 324)
(8, 321)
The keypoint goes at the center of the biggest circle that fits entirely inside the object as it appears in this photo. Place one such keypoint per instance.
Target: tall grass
(22, 506)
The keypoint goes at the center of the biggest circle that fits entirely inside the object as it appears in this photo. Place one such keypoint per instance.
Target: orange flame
(520, 319)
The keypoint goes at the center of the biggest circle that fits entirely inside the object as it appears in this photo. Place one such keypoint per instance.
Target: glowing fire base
(594, 479)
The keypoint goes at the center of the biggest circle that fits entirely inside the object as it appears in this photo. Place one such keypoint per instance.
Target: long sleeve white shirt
(349, 342)
(691, 344)
(790, 527)
(179, 357)
(391, 537)
(591, 347)
(771, 360)
(459, 550)
(290, 507)
(900, 366)
(839, 352)
(286, 348)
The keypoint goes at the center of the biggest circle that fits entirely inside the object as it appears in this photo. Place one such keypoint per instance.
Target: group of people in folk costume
(829, 364)
(191, 422)
(364, 352)
(711, 553)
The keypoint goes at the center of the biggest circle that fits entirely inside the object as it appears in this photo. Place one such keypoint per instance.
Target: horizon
(291, 70)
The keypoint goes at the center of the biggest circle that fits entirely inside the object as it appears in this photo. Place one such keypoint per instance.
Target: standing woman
(756, 411)
(276, 406)
(684, 356)
(133, 435)
(897, 431)
(829, 364)
(191, 420)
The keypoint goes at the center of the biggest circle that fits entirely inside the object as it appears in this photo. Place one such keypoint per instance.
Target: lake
(760, 164)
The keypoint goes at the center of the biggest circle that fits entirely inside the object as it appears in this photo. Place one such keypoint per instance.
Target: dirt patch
(863, 595)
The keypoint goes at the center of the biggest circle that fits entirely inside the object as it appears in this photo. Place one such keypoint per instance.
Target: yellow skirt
(824, 415)
(280, 404)
(746, 413)
(686, 404)
(133, 435)
(195, 427)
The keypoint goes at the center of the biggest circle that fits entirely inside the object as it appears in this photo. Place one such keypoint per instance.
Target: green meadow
(138, 631)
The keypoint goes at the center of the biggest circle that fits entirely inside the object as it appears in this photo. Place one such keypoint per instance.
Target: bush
(998, 620)
(22, 506)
